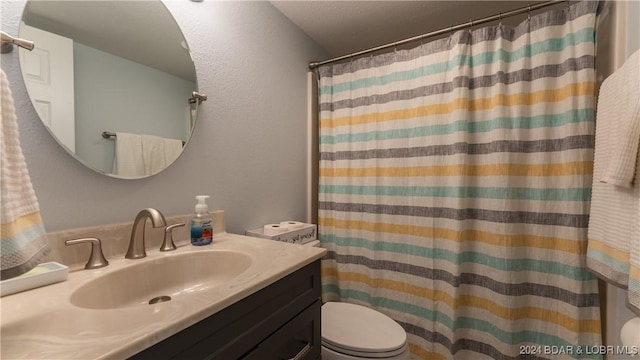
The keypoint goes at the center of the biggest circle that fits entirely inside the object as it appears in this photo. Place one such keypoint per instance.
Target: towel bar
(109, 135)
(8, 41)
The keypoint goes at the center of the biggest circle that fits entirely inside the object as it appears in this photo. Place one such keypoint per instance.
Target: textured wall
(249, 149)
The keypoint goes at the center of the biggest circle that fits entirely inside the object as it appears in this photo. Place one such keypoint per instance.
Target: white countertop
(43, 324)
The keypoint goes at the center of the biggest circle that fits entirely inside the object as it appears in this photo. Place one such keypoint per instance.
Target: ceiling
(145, 32)
(342, 27)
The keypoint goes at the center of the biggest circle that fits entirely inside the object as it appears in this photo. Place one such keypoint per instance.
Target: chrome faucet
(136, 244)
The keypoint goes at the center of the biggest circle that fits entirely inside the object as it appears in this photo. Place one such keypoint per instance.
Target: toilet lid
(355, 329)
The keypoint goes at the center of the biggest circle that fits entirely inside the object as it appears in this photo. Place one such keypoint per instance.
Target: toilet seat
(360, 331)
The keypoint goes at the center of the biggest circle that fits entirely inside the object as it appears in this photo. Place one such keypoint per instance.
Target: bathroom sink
(150, 281)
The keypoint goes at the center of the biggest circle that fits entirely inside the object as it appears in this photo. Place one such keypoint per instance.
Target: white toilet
(630, 333)
(351, 331)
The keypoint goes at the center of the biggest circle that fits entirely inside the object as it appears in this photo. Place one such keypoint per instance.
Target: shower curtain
(454, 189)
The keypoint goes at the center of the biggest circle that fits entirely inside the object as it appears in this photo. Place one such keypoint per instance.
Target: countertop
(43, 324)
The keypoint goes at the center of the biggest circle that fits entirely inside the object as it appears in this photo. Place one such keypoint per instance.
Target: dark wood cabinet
(281, 321)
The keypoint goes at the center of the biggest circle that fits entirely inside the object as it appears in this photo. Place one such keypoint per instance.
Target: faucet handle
(96, 259)
(168, 244)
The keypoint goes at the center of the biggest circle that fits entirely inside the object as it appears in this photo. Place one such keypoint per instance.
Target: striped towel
(614, 225)
(23, 241)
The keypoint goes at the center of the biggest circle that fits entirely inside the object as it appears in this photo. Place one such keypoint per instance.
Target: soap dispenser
(201, 223)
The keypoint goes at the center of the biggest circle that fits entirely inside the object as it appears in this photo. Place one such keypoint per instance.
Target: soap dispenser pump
(201, 223)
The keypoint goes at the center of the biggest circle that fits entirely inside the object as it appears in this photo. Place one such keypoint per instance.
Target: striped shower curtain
(455, 185)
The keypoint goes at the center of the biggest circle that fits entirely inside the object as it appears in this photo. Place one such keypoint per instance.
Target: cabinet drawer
(299, 339)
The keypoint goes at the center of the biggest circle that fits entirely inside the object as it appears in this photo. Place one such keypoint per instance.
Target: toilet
(351, 332)
(630, 333)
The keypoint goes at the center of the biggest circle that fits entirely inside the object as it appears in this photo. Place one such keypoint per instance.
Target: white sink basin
(162, 279)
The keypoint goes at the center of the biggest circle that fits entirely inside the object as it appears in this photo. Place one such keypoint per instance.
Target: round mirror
(112, 81)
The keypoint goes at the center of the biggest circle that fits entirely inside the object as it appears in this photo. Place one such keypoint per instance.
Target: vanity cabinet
(281, 321)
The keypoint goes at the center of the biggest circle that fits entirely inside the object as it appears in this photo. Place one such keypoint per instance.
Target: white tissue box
(41, 275)
(299, 236)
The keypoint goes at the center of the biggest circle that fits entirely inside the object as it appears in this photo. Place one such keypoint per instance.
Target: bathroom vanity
(281, 321)
(238, 298)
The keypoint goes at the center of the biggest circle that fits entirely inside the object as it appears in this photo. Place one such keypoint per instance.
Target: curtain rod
(522, 10)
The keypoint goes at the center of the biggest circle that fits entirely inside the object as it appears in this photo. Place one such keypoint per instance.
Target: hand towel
(128, 161)
(153, 154)
(621, 169)
(613, 250)
(23, 240)
(172, 149)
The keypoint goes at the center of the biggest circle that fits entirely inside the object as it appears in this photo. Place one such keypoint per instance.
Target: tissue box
(299, 236)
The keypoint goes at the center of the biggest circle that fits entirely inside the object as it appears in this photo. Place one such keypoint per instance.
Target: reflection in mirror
(122, 67)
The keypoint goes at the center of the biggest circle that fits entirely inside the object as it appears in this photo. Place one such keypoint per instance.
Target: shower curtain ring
(529, 12)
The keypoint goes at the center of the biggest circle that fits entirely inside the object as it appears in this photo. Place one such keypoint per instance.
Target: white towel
(23, 240)
(128, 161)
(153, 154)
(613, 250)
(172, 149)
(622, 165)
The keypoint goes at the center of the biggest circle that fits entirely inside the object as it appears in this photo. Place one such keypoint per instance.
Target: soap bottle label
(201, 232)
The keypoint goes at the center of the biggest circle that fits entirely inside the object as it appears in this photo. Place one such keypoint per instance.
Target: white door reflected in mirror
(48, 74)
